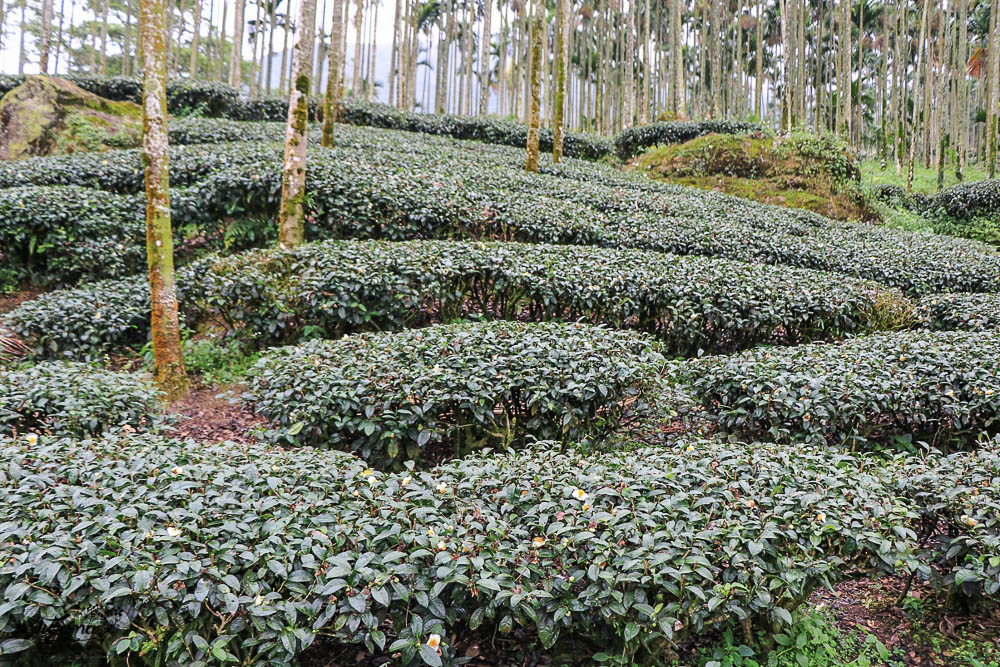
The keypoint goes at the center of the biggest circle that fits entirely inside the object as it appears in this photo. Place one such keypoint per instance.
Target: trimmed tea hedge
(391, 396)
(217, 551)
(64, 398)
(56, 235)
(86, 321)
(689, 303)
(951, 312)
(330, 288)
(970, 200)
(183, 95)
(635, 140)
(383, 184)
(958, 501)
(940, 387)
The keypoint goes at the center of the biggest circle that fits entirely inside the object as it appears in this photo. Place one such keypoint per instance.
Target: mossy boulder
(48, 115)
(799, 170)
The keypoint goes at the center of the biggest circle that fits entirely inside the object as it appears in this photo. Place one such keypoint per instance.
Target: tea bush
(958, 501)
(958, 311)
(65, 398)
(330, 288)
(941, 387)
(56, 235)
(182, 553)
(689, 303)
(86, 321)
(384, 184)
(391, 396)
(183, 95)
(970, 200)
(635, 140)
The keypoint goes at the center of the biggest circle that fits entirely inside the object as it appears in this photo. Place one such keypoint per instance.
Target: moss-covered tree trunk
(535, 75)
(331, 101)
(293, 179)
(560, 105)
(165, 327)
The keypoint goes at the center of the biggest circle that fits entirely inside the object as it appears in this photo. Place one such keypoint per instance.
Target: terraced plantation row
(578, 409)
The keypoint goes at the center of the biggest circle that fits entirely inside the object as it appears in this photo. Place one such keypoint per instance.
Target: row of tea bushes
(90, 320)
(453, 388)
(57, 235)
(384, 184)
(74, 399)
(217, 551)
(121, 171)
(184, 96)
(969, 210)
(939, 387)
(690, 304)
(957, 498)
(637, 139)
(959, 311)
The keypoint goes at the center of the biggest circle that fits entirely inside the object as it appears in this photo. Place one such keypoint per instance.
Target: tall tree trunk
(59, 32)
(24, 31)
(961, 93)
(786, 52)
(165, 326)
(45, 41)
(562, 44)
(992, 110)
(917, 86)
(677, 56)
(104, 36)
(195, 40)
(628, 106)
(236, 55)
(220, 54)
(356, 80)
(293, 179)
(331, 102)
(372, 51)
(759, 63)
(647, 71)
(484, 58)
(534, 110)
(126, 67)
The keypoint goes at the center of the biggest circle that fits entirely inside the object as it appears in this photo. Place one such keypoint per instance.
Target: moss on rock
(799, 170)
(48, 115)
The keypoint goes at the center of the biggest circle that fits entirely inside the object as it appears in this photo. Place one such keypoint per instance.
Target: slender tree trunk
(992, 110)
(628, 106)
(104, 37)
(220, 54)
(165, 326)
(331, 102)
(236, 55)
(484, 58)
(759, 63)
(24, 31)
(786, 52)
(293, 180)
(372, 51)
(961, 93)
(534, 111)
(59, 32)
(126, 67)
(561, 57)
(356, 80)
(647, 72)
(916, 106)
(195, 38)
(44, 43)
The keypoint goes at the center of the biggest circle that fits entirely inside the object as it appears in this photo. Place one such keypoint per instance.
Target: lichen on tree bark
(534, 110)
(168, 358)
(293, 179)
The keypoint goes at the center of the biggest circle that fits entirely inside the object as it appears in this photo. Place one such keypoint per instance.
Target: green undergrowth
(799, 170)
